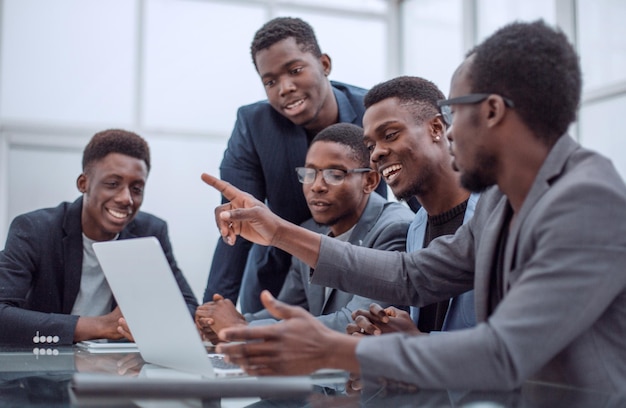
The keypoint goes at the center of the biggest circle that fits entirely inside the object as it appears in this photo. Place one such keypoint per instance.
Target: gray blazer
(383, 225)
(563, 315)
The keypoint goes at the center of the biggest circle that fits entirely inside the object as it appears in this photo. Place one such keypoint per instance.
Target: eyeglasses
(306, 175)
(446, 112)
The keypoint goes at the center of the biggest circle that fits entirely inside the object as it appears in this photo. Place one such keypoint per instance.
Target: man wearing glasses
(338, 187)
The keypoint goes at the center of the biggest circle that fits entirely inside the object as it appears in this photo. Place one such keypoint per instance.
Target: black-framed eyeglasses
(446, 111)
(306, 175)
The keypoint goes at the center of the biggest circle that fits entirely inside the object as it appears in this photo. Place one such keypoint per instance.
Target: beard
(482, 176)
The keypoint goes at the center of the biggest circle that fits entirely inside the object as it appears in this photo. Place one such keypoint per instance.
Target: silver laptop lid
(144, 287)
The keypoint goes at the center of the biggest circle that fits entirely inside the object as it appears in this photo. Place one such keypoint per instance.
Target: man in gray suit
(338, 186)
(545, 251)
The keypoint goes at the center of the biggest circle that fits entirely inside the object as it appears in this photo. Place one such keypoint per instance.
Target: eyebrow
(285, 65)
(385, 125)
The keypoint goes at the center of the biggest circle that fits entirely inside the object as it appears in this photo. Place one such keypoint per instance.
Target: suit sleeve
(19, 268)
(242, 168)
(390, 238)
(292, 293)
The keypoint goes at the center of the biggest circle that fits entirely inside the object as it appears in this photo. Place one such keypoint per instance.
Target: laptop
(144, 287)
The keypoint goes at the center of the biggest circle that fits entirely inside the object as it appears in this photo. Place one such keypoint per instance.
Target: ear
(437, 128)
(497, 110)
(371, 181)
(81, 183)
(326, 64)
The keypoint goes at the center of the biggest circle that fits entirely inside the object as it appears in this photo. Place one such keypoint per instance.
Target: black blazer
(41, 266)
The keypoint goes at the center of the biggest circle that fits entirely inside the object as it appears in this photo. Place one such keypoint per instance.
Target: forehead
(387, 111)
(460, 84)
(327, 153)
(280, 54)
(121, 165)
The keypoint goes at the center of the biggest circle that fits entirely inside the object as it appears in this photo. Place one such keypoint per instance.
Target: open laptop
(144, 287)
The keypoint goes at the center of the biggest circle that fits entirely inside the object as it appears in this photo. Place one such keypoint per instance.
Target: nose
(124, 196)
(378, 153)
(319, 184)
(449, 133)
(286, 86)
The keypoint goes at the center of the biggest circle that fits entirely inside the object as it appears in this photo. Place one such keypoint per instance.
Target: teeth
(293, 105)
(386, 172)
(118, 214)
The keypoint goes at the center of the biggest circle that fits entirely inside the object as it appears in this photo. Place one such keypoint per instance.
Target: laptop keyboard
(218, 361)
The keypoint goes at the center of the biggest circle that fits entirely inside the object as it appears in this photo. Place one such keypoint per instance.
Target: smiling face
(296, 84)
(472, 148)
(340, 206)
(112, 190)
(405, 153)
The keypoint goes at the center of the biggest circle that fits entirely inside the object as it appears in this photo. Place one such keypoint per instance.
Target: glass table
(44, 377)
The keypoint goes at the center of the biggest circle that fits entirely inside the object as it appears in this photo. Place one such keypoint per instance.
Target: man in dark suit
(338, 186)
(52, 289)
(269, 140)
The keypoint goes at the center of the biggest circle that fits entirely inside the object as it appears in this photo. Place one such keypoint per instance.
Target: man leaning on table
(545, 251)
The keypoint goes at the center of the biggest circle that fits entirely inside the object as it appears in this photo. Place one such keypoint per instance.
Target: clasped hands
(378, 320)
(216, 315)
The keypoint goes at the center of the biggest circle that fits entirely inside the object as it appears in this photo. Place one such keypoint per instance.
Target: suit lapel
(316, 299)
(346, 111)
(371, 213)
(72, 254)
(485, 257)
(551, 168)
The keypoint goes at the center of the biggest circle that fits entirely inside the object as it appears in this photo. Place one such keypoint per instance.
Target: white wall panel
(41, 177)
(606, 136)
(198, 68)
(433, 40)
(68, 61)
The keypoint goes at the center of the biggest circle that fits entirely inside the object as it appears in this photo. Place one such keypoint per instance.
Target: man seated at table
(339, 188)
(52, 289)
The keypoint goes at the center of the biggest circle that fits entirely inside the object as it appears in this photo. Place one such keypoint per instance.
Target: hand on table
(216, 315)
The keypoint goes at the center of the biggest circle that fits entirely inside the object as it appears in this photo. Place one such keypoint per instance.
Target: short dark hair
(281, 28)
(419, 95)
(348, 135)
(536, 67)
(115, 141)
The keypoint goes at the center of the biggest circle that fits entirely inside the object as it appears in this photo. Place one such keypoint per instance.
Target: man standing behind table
(269, 140)
(52, 289)
(338, 186)
(545, 250)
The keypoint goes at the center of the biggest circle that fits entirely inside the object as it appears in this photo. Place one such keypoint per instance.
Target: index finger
(228, 190)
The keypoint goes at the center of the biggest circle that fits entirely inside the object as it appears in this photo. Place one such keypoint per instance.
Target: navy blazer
(41, 267)
(262, 154)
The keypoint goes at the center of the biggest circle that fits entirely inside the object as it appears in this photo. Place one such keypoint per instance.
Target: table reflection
(41, 377)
